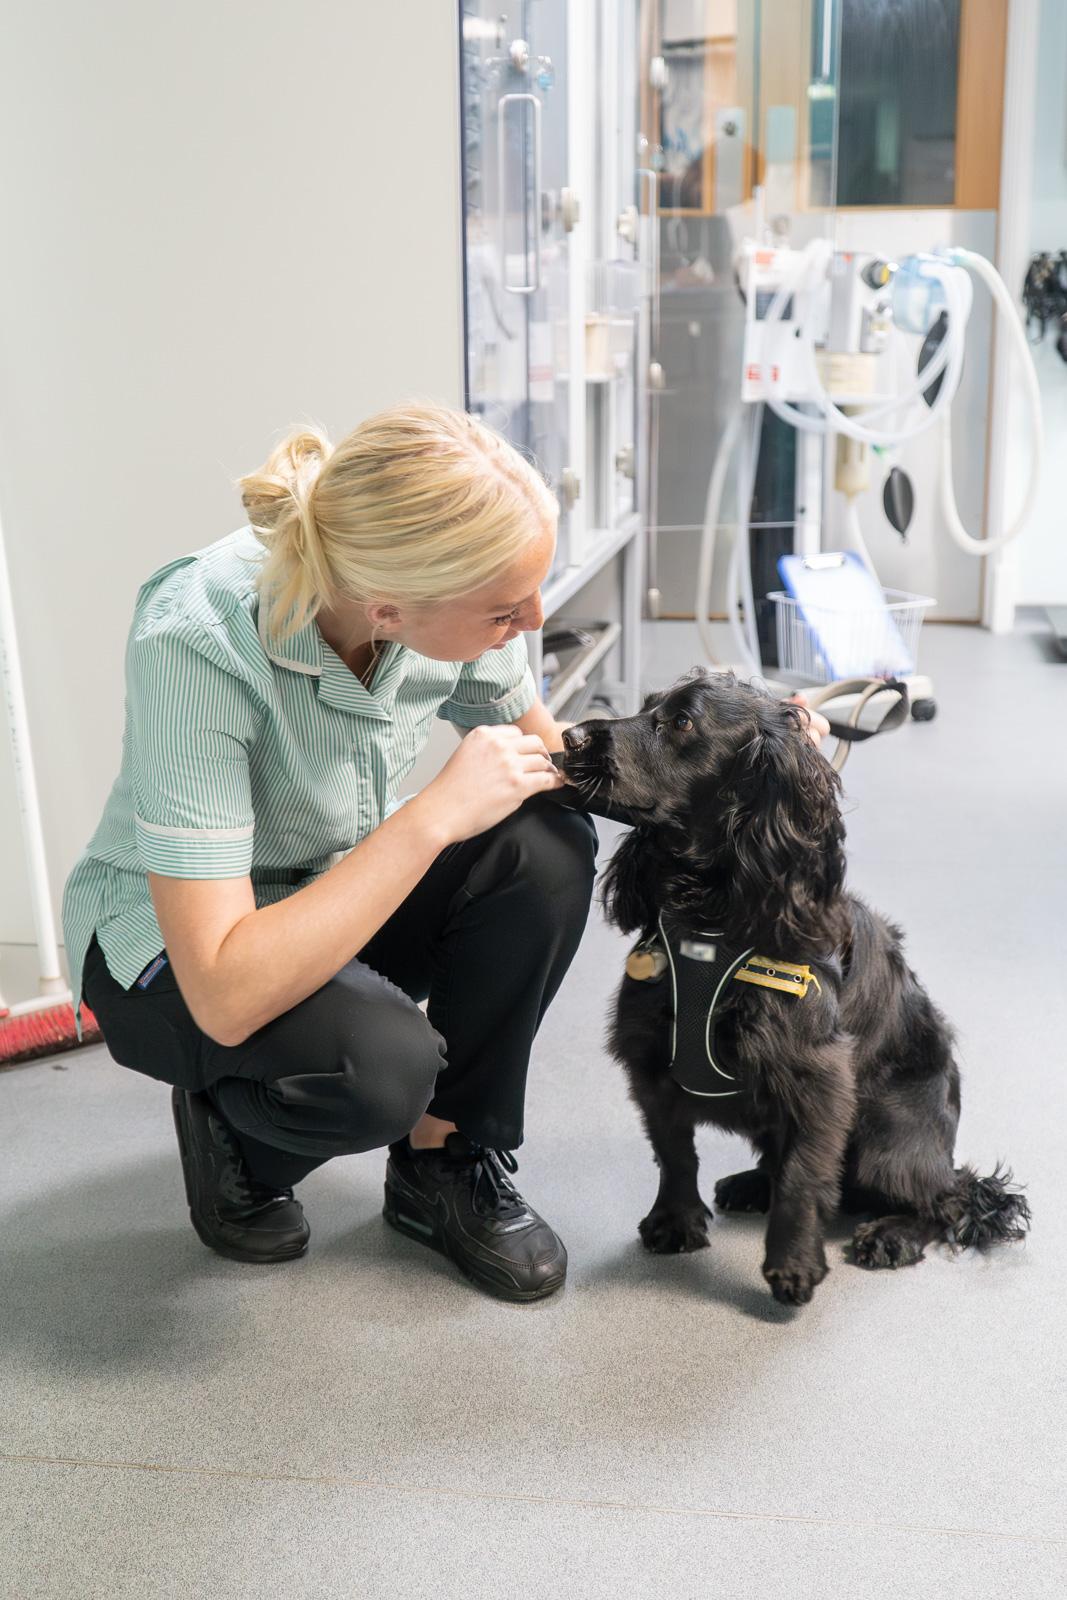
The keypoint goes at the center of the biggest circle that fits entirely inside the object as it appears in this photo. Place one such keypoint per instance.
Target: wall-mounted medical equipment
(819, 324)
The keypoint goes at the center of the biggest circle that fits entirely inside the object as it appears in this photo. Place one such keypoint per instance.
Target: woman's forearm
(279, 954)
(540, 720)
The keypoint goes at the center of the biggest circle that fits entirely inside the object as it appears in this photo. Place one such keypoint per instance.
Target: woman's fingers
(531, 744)
(541, 762)
(818, 727)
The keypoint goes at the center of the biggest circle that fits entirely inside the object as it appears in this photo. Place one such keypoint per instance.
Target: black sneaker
(235, 1215)
(458, 1201)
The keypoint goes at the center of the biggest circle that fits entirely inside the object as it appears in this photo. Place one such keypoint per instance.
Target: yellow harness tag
(784, 976)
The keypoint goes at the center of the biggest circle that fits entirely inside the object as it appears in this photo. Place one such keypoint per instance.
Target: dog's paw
(794, 1283)
(744, 1191)
(886, 1242)
(668, 1233)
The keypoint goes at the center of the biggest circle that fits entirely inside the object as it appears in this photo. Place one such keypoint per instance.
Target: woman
(256, 917)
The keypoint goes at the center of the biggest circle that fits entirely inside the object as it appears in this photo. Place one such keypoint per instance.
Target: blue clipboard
(846, 611)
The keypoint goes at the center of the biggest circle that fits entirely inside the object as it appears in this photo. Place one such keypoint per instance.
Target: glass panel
(611, 341)
(616, 289)
(738, 110)
(699, 123)
(549, 308)
(897, 119)
(497, 372)
(822, 101)
(514, 106)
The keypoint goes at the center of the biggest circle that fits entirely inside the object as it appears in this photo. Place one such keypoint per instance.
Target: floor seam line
(345, 1480)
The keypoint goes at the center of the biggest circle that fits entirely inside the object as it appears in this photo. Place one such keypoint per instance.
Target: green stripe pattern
(245, 755)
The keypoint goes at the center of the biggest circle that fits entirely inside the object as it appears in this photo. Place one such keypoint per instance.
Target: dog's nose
(576, 738)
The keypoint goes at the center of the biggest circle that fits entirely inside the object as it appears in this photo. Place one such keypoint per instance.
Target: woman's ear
(783, 835)
(382, 617)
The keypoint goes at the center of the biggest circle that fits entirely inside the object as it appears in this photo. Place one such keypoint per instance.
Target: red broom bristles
(44, 1033)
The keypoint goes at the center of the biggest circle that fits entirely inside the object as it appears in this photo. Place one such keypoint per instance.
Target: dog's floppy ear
(782, 830)
(628, 885)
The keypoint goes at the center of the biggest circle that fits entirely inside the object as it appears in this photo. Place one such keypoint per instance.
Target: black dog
(845, 1085)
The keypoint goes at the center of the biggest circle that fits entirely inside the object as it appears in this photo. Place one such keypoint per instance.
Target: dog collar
(701, 964)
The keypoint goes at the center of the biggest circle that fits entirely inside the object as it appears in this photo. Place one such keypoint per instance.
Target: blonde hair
(417, 505)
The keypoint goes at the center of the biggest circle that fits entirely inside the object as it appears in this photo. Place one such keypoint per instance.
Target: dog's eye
(683, 723)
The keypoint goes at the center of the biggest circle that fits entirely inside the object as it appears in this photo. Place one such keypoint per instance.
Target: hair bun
(282, 486)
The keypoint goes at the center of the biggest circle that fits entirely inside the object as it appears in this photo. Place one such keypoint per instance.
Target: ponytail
(295, 578)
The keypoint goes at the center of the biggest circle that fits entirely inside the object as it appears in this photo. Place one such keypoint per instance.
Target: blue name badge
(151, 971)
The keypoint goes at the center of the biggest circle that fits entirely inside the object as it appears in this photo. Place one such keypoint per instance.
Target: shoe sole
(234, 1253)
(231, 1252)
(427, 1233)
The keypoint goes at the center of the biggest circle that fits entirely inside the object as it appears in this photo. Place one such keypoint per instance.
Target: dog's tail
(980, 1212)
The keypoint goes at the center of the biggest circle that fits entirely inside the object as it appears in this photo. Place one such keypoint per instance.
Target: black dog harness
(701, 965)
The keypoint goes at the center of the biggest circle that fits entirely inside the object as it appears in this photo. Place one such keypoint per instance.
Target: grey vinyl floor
(364, 1422)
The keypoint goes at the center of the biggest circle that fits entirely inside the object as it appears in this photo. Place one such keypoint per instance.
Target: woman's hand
(818, 727)
(494, 770)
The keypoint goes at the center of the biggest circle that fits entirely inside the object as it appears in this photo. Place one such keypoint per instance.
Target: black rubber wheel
(924, 710)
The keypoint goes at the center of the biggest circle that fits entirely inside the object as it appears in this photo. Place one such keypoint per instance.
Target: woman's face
(487, 617)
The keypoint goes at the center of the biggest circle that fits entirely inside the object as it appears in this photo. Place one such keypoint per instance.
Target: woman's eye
(503, 622)
(683, 723)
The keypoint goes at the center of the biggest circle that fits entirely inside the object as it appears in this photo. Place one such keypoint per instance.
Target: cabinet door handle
(527, 287)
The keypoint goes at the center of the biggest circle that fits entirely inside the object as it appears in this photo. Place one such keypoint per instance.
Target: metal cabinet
(557, 288)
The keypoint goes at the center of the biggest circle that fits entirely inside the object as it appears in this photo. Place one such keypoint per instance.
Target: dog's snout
(577, 738)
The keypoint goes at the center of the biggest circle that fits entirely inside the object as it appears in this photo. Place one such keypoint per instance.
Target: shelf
(576, 674)
(603, 545)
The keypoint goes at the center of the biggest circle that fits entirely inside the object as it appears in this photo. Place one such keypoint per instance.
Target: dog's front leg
(679, 1219)
(807, 1185)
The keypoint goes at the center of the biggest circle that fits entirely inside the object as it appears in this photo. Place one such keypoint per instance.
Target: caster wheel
(924, 710)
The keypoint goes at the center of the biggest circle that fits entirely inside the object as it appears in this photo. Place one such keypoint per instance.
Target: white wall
(218, 220)
(1043, 544)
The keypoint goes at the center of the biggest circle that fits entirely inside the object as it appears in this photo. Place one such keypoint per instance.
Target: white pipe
(856, 539)
(746, 642)
(733, 600)
(947, 358)
(983, 547)
(746, 487)
(712, 506)
(51, 981)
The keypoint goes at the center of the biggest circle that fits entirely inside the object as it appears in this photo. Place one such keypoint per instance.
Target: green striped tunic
(246, 755)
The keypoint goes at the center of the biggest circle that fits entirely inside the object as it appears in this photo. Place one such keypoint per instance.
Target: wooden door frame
(979, 99)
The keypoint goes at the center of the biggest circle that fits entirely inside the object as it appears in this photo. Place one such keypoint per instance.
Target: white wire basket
(819, 644)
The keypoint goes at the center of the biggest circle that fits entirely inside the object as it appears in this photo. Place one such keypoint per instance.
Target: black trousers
(485, 937)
